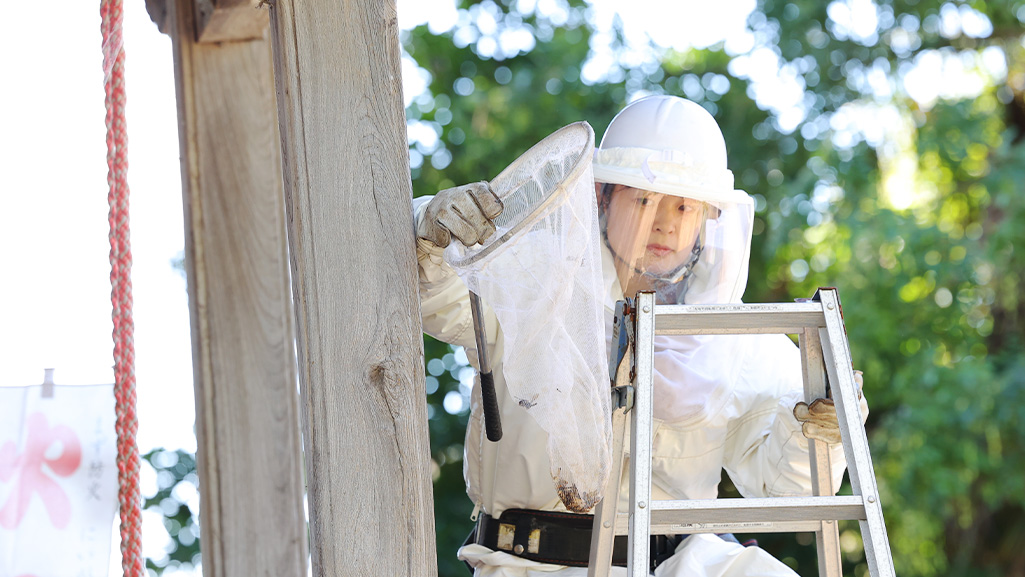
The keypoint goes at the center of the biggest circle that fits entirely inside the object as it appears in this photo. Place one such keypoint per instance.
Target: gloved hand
(819, 420)
(465, 212)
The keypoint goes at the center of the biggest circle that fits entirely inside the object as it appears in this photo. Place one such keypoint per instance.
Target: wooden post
(221, 20)
(350, 230)
(247, 421)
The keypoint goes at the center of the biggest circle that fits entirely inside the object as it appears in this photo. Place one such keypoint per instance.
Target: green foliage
(512, 104)
(176, 484)
(930, 292)
(451, 506)
(928, 267)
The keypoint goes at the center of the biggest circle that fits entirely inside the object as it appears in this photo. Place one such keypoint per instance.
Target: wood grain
(354, 273)
(247, 422)
(230, 20)
(350, 226)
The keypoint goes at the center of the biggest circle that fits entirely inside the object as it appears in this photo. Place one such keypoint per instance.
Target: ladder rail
(641, 424)
(603, 531)
(827, 532)
(852, 434)
(606, 513)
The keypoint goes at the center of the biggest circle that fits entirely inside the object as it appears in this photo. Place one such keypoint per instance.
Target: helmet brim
(666, 172)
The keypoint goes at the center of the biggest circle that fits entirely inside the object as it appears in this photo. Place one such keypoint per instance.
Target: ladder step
(766, 515)
(850, 507)
(773, 318)
(623, 527)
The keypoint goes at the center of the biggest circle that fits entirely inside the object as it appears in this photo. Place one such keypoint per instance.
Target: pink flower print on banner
(27, 471)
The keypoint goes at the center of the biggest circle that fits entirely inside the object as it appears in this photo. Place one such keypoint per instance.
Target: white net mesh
(541, 274)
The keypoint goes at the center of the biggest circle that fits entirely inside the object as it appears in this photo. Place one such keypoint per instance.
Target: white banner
(58, 481)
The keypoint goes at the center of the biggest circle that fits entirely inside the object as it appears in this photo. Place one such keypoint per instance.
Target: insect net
(541, 274)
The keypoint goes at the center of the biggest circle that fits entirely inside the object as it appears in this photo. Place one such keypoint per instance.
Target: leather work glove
(819, 420)
(465, 212)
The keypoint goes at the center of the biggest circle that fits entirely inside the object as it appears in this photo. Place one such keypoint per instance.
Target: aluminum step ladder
(824, 351)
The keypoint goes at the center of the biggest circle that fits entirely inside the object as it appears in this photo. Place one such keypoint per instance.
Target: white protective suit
(740, 417)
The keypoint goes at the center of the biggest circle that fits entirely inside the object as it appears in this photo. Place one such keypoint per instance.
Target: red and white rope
(129, 498)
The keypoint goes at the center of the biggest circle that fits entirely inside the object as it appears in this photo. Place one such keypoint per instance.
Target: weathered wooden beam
(218, 20)
(157, 10)
(350, 227)
(226, 20)
(247, 417)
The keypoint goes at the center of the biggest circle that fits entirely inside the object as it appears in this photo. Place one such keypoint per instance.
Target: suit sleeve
(444, 299)
(766, 454)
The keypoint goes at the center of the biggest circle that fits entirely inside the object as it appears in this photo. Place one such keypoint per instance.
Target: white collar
(613, 292)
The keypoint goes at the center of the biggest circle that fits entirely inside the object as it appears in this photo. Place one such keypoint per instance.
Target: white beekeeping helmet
(674, 223)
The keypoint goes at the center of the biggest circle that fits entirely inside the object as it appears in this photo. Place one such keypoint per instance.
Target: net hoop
(507, 183)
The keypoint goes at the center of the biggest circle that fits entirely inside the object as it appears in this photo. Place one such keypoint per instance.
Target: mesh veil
(541, 275)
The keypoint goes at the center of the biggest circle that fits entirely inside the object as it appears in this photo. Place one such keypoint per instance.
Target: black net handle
(489, 399)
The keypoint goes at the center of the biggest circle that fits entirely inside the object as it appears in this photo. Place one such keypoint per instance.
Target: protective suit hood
(671, 219)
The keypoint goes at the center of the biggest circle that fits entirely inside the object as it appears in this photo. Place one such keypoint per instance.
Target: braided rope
(129, 498)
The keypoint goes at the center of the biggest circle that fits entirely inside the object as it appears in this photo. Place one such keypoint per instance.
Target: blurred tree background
(882, 142)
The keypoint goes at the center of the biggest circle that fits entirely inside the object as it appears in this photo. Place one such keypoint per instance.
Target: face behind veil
(687, 250)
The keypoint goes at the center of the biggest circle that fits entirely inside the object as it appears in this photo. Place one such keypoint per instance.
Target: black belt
(556, 537)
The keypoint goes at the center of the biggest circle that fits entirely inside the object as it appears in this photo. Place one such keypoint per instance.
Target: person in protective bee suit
(670, 222)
